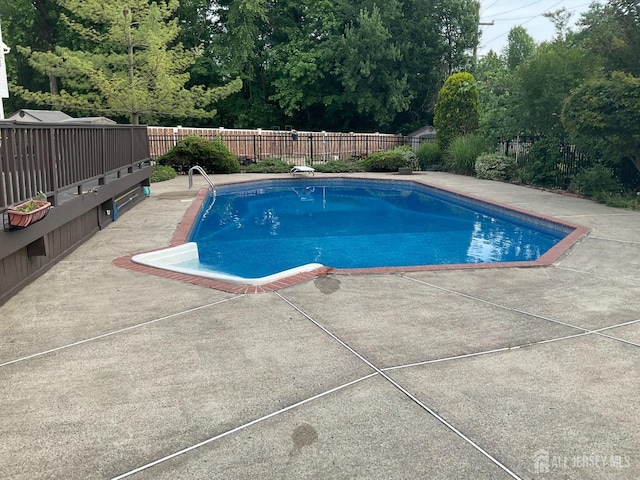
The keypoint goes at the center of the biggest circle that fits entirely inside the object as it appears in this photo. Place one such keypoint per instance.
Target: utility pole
(475, 48)
(480, 24)
(4, 87)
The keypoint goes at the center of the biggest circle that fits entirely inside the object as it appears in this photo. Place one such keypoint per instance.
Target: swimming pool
(258, 232)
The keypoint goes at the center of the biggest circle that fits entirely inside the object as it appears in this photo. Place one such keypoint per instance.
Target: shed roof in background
(26, 115)
(41, 116)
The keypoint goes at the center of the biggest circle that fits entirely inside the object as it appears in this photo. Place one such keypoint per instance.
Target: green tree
(519, 48)
(495, 87)
(543, 82)
(368, 65)
(131, 70)
(36, 24)
(419, 33)
(243, 21)
(457, 108)
(302, 60)
(196, 28)
(241, 49)
(305, 62)
(603, 117)
(612, 31)
(560, 19)
(458, 20)
(275, 48)
(299, 60)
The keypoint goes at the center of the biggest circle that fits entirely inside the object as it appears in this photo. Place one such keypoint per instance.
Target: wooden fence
(307, 148)
(298, 148)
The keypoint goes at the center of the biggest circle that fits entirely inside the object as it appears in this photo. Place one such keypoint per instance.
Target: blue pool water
(257, 230)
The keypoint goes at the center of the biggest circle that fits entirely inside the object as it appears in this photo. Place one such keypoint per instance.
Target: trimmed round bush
(387, 161)
(430, 156)
(160, 173)
(212, 156)
(494, 166)
(223, 161)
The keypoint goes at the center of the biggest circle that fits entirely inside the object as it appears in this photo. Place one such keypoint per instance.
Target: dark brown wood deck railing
(87, 172)
(54, 158)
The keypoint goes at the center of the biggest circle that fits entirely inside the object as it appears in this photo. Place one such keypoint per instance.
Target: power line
(529, 17)
(487, 8)
(573, 8)
(529, 20)
(516, 9)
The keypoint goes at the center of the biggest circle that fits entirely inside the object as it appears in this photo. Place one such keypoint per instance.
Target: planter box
(19, 219)
(405, 171)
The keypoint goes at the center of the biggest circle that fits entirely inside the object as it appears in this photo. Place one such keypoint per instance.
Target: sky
(507, 14)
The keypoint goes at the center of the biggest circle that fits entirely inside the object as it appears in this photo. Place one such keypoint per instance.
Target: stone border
(180, 237)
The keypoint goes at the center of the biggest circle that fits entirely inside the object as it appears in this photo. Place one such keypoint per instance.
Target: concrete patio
(476, 374)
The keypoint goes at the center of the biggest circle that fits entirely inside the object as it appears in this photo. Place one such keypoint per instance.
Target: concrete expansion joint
(404, 391)
(529, 314)
(614, 240)
(242, 427)
(600, 275)
(116, 332)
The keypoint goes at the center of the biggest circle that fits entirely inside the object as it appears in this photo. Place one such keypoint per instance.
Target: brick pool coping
(180, 237)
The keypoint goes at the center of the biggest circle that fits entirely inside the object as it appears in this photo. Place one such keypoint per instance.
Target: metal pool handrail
(205, 176)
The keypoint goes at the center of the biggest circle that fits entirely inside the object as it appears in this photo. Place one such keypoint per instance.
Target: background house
(424, 134)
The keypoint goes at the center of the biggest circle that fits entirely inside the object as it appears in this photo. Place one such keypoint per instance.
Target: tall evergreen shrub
(457, 110)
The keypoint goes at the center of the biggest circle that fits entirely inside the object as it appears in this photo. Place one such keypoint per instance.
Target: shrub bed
(269, 165)
(344, 165)
(594, 181)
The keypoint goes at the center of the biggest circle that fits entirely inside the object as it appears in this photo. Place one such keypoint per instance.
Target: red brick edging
(180, 237)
